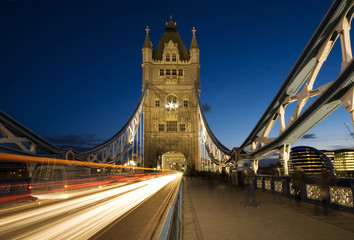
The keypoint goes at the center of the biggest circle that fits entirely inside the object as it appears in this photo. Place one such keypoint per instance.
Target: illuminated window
(162, 72)
(157, 103)
(161, 127)
(168, 58)
(182, 127)
(180, 72)
(168, 72)
(185, 103)
(171, 99)
(171, 126)
(174, 58)
(174, 72)
(171, 103)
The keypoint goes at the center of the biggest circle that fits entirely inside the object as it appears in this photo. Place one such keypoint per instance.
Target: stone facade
(171, 121)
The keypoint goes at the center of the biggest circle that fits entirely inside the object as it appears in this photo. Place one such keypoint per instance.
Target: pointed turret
(147, 57)
(194, 49)
(147, 42)
(194, 43)
(147, 47)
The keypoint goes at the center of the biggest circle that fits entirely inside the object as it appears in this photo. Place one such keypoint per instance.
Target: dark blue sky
(71, 70)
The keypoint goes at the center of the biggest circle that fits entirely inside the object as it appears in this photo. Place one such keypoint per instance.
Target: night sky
(71, 70)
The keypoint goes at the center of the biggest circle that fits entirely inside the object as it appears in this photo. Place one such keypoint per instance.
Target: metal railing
(340, 190)
(172, 226)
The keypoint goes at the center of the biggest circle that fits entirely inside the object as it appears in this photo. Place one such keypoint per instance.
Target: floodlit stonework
(171, 123)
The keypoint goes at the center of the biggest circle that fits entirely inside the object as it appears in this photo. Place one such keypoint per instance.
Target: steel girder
(217, 152)
(17, 139)
(114, 148)
(302, 76)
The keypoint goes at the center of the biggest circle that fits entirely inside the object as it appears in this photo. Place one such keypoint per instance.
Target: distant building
(12, 170)
(343, 162)
(314, 161)
(311, 160)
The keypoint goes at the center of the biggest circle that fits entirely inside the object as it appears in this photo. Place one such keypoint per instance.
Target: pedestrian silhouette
(248, 177)
(323, 183)
(278, 195)
(296, 181)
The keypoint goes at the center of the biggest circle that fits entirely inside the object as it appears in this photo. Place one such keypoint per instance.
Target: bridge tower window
(171, 126)
(162, 72)
(168, 72)
(171, 102)
(180, 72)
(174, 72)
(174, 58)
(157, 103)
(171, 99)
(182, 127)
(161, 127)
(185, 103)
(168, 57)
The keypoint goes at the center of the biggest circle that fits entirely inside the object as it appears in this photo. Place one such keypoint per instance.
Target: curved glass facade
(311, 160)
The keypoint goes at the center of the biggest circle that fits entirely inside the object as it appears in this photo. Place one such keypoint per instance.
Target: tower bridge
(168, 122)
(169, 117)
(168, 130)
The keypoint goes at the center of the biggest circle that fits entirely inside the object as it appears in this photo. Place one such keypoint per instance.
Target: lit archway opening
(174, 161)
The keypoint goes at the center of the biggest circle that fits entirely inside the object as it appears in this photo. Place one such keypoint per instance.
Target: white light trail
(82, 217)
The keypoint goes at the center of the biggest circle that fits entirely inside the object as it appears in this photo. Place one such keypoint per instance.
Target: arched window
(171, 99)
(171, 102)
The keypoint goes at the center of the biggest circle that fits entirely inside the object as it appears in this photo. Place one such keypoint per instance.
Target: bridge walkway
(215, 210)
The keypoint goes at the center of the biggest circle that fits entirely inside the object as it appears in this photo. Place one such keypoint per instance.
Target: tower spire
(194, 43)
(147, 42)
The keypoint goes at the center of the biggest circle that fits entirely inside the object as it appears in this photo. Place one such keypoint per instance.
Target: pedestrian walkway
(215, 210)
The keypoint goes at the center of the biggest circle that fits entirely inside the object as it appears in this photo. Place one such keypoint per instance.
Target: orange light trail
(35, 159)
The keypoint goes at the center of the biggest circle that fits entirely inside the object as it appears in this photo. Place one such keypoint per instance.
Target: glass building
(343, 162)
(311, 160)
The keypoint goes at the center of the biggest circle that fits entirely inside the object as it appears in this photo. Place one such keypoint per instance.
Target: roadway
(215, 210)
(118, 211)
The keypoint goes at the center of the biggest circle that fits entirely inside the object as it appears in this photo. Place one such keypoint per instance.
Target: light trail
(80, 217)
(46, 160)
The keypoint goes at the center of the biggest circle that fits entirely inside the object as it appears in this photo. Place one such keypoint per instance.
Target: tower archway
(174, 161)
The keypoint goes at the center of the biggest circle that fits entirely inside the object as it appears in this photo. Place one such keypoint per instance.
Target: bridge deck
(215, 210)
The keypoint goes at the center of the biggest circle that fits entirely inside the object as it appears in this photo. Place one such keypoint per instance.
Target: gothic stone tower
(171, 123)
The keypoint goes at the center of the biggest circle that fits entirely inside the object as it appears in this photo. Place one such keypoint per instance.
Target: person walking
(278, 195)
(323, 182)
(248, 182)
(296, 181)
